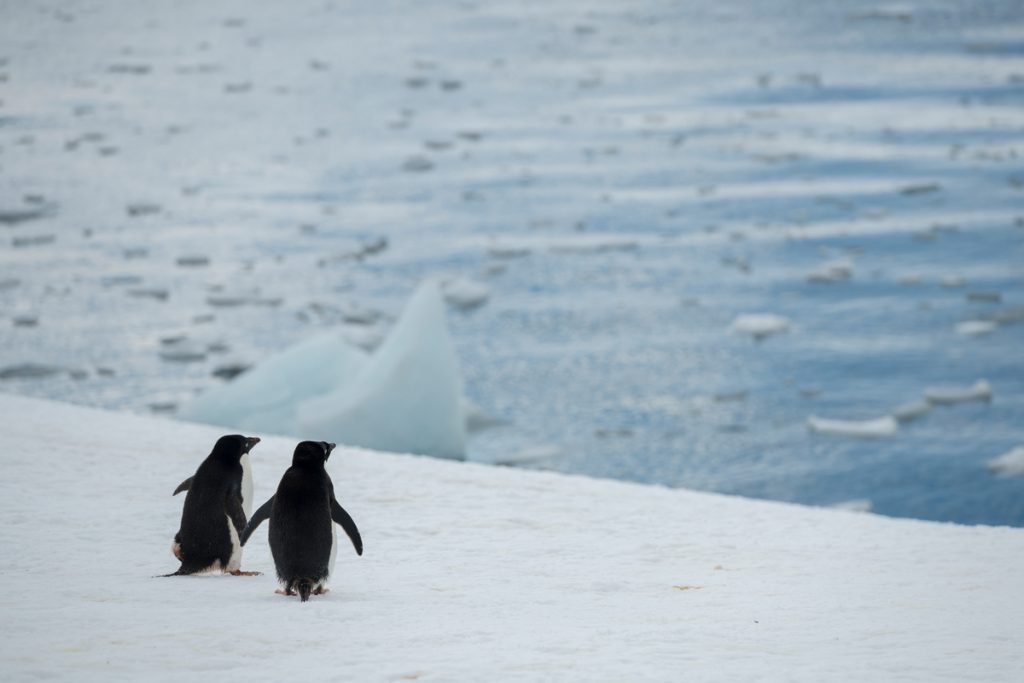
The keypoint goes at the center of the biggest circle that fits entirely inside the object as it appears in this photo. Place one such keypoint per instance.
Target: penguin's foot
(239, 572)
(321, 590)
(282, 591)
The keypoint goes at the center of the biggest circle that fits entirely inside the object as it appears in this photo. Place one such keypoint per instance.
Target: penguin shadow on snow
(219, 496)
(302, 513)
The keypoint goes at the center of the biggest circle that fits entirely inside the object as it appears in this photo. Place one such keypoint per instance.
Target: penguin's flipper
(183, 486)
(235, 511)
(339, 515)
(257, 519)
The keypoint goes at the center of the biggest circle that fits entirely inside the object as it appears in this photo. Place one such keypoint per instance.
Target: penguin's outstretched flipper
(341, 517)
(257, 519)
(183, 486)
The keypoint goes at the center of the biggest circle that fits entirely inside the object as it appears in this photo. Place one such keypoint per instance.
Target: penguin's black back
(300, 523)
(204, 535)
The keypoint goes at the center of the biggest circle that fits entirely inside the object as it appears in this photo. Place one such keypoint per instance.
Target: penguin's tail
(304, 587)
(183, 570)
(180, 572)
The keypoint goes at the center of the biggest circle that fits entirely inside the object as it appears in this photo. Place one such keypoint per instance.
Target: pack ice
(405, 397)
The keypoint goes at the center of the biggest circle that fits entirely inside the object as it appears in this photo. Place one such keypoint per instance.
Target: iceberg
(264, 398)
(407, 398)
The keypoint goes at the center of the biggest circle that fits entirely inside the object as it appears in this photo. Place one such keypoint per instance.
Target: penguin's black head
(312, 453)
(233, 446)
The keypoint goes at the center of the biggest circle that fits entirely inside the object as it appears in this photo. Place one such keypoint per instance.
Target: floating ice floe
(953, 281)
(183, 354)
(979, 391)
(464, 293)
(760, 325)
(975, 328)
(30, 371)
(836, 271)
(597, 244)
(1011, 462)
(407, 397)
(911, 411)
(864, 429)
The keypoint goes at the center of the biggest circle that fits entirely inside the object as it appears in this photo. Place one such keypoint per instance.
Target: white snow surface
(478, 573)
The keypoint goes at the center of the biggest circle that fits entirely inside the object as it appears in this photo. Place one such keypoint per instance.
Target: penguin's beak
(251, 441)
(328, 447)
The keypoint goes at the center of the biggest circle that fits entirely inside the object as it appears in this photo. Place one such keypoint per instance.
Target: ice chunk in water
(408, 398)
(911, 411)
(836, 271)
(979, 391)
(1011, 462)
(975, 328)
(865, 429)
(760, 325)
(464, 293)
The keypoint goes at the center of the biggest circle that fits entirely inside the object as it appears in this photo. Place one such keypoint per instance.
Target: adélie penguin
(302, 536)
(213, 518)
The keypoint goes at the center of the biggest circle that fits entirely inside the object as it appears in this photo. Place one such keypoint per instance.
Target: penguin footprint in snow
(213, 516)
(303, 540)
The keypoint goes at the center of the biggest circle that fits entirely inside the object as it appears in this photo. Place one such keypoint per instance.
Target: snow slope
(478, 573)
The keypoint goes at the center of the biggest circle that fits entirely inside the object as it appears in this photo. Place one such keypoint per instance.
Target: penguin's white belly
(246, 486)
(334, 550)
(235, 561)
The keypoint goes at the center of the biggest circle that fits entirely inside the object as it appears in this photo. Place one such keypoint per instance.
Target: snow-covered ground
(478, 573)
(604, 187)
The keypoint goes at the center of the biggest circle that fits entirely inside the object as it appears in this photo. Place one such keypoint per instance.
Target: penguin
(302, 537)
(213, 519)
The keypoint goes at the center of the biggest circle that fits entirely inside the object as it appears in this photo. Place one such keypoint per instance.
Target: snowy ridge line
(474, 572)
